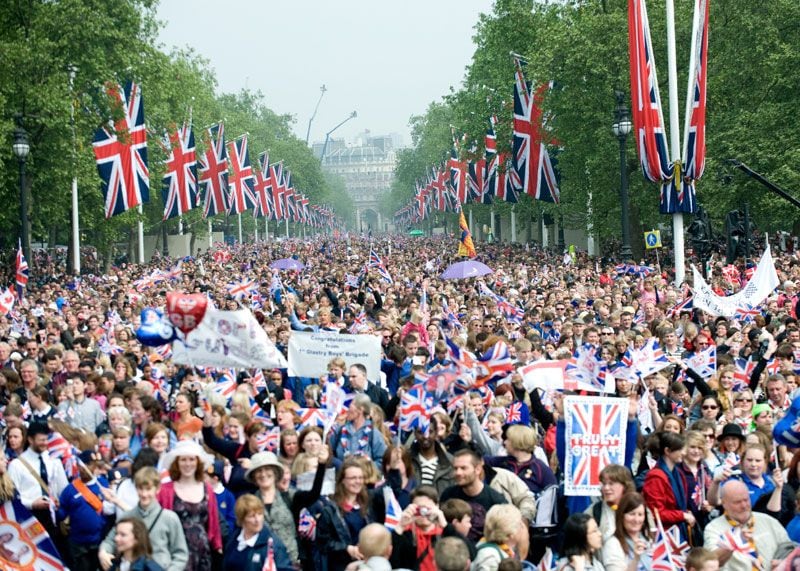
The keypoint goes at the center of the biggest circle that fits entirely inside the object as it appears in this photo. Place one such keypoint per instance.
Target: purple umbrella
(287, 264)
(468, 269)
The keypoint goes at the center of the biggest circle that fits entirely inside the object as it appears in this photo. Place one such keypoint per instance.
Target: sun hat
(261, 460)
(187, 448)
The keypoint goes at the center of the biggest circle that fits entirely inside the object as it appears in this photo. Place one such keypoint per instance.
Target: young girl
(133, 546)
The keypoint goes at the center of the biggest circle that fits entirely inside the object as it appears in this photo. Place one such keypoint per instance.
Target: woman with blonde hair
(378, 418)
(7, 490)
(502, 531)
(724, 381)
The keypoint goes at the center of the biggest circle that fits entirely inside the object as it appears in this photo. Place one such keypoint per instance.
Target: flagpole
(255, 229)
(239, 218)
(287, 225)
(513, 225)
(76, 234)
(210, 235)
(140, 235)
(266, 228)
(675, 141)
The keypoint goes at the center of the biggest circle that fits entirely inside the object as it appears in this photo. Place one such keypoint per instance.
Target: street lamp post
(621, 127)
(21, 148)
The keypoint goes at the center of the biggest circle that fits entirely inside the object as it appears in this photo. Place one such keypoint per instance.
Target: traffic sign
(652, 239)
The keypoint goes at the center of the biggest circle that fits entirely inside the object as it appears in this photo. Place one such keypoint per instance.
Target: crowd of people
(131, 461)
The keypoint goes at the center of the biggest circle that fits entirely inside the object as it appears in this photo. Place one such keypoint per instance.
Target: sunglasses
(710, 407)
(742, 400)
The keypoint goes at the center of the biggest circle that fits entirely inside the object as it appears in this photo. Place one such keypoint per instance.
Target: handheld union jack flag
(742, 374)
(269, 561)
(22, 272)
(7, 300)
(733, 539)
(376, 262)
(242, 288)
(586, 371)
(595, 436)
(312, 417)
(746, 314)
(214, 172)
(704, 362)
(393, 509)
(494, 365)
(661, 552)
(517, 413)
(415, 407)
(29, 539)
(269, 440)
(180, 179)
(242, 191)
(531, 161)
(307, 525)
(121, 152)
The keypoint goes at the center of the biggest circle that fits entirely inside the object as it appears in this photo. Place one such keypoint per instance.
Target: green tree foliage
(583, 46)
(114, 40)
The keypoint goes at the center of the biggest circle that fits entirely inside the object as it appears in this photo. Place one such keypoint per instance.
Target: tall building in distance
(367, 167)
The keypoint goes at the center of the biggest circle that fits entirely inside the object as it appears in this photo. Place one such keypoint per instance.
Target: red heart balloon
(186, 311)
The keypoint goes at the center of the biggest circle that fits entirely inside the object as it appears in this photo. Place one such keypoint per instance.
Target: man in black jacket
(357, 383)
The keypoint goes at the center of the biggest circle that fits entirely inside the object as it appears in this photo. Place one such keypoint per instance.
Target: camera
(426, 512)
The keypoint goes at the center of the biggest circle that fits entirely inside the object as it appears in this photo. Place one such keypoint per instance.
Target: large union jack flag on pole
(120, 151)
(242, 190)
(26, 540)
(22, 272)
(595, 438)
(263, 191)
(180, 180)
(531, 160)
(694, 142)
(214, 172)
(278, 190)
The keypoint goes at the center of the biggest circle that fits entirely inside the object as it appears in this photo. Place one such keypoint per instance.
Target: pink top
(166, 497)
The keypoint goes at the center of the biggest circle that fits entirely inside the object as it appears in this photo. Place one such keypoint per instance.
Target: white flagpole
(675, 140)
(210, 235)
(287, 225)
(140, 236)
(255, 228)
(239, 217)
(513, 225)
(266, 228)
(76, 234)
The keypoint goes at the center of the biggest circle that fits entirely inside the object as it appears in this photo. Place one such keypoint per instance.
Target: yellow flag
(465, 245)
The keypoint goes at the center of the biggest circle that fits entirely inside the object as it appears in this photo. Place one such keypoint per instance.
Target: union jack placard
(120, 152)
(595, 438)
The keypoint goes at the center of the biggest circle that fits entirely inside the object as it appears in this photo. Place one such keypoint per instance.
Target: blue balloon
(156, 329)
(787, 431)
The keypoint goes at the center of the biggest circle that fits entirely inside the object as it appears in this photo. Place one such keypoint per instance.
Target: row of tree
(582, 45)
(102, 40)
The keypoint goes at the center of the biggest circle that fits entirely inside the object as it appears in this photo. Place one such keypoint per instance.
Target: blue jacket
(225, 502)
(252, 558)
(86, 526)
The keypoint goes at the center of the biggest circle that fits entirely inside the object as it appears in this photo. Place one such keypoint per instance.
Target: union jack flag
(180, 179)
(29, 541)
(704, 362)
(439, 380)
(278, 191)
(684, 305)
(307, 525)
(262, 188)
(586, 370)
(531, 160)
(734, 540)
(242, 191)
(376, 262)
(475, 182)
(746, 314)
(60, 449)
(312, 417)
(269, 440)
(744, 370)
(648, 115)
(649, 359)
(507, 181)
(164, 351)
(121, 152)
(359, 323)
(352, 281)
(393, 509)
(494, 365)
(242, 288)
(22, 272)
(694, 142)
(415, 408)
(458, 177)
(459, 356)
(491, 161)
(214, 172)
(595, 438)
(548, 562)
(661, 552)
(259, 381)
(224, 387)
(517, 413)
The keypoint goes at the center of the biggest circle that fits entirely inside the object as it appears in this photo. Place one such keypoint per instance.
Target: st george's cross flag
(26, 545)
(120, 151)
(595, 437)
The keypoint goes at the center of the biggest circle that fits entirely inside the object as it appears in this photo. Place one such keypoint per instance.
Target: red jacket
(660, 497)
(166, 497)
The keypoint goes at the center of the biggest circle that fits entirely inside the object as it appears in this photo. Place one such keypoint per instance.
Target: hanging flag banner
(24, 543)
(760, 286)
(595, 438)
(228, 339)
(309, 353)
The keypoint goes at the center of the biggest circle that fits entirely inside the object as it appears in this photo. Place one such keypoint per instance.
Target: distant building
(367, 167)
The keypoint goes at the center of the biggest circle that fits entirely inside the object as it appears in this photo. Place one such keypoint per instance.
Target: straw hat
(188, 448)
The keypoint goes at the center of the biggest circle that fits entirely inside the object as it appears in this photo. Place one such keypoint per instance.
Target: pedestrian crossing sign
(652, 239)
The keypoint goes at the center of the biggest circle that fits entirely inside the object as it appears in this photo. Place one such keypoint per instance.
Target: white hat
(187, 448)
(261, 460)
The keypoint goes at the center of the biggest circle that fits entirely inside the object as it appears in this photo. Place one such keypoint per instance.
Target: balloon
(787, 431)
(186, 311)
(155, 330)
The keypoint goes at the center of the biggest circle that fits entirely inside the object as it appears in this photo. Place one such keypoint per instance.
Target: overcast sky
(384, 60)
